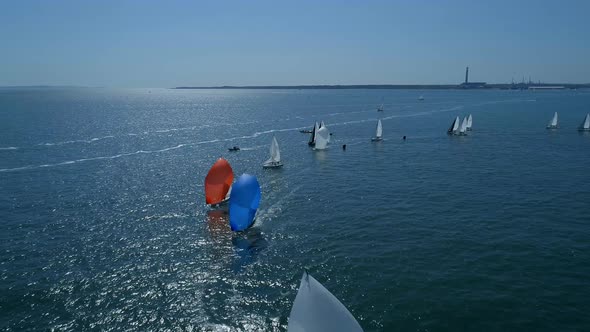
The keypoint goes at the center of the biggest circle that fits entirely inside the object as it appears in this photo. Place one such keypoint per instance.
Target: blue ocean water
(103, 223)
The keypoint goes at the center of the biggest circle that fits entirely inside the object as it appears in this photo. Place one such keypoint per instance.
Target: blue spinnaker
(243, 202)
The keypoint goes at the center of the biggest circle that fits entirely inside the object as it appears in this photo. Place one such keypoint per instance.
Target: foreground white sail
(378, 132)
(553, 123)
(585, 126)
(469, 122)
(315, 309)
(463, 127)
(454, 127)
(322, 138)
(275, 155)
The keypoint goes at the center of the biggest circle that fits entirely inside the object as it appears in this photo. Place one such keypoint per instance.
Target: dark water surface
(103, 224)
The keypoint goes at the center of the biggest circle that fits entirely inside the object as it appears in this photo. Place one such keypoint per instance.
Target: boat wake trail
(92, 140)
(70, 162)
(9, 148)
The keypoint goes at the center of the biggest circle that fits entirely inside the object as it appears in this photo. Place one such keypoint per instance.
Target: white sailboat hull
(376, 139)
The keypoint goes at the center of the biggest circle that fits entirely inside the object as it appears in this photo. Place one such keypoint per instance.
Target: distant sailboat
(378, 132)
(463, 127)
(454, 127)
(585, 126)
(380, 108)
(218, 182)
(469, 122)
(313, 135)
(275, 155)
(421, 98)
(322, 138)
(553, 123)
(315, 309)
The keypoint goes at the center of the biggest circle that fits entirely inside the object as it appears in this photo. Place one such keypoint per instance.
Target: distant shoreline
(520, 86)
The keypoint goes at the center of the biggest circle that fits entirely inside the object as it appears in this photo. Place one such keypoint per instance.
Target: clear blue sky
(172, 43)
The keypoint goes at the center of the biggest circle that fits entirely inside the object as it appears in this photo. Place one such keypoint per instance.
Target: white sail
(586, 123)
(463, 127)
(322, 138)
(315, 309)
(469, 122)
(313, 134)
(379, 131)
(455, 126)
(553, 123)
(321, 124)
(275, 153)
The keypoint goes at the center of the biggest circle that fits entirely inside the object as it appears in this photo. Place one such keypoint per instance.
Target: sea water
(103, 222)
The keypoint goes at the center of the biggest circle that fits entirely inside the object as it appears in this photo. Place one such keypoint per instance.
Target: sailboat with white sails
(553, 123)
(378, 132)
(454, 128)
(275, 155)
(322, 138)
(585, 126)
(463, 127)
(469, 122)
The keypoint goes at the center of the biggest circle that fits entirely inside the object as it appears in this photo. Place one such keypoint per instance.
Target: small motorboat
(303, 131)
(235, 148)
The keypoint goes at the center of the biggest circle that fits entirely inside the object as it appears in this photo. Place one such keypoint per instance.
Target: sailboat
(553, 123)
(378, 132)
(585, 126)
(315, 309)
(218, 182)
(275, 155)
(463, 127)
(454, 127)
(469, 122)
(244, 202)
(380, 108)
(313, 134)
(421, 98)
(322, 138)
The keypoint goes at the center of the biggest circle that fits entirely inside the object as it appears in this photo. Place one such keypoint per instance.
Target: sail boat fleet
(314, 307)
(460, 128)
(554, 123)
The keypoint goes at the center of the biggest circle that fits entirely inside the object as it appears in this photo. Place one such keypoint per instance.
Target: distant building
(471, 85)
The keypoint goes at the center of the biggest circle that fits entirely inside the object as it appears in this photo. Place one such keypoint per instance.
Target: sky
(210, 43)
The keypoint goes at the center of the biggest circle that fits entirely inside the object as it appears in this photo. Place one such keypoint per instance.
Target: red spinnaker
(218, 181)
